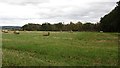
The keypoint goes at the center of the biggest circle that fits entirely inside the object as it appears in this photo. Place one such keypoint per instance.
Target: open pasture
(31, 48)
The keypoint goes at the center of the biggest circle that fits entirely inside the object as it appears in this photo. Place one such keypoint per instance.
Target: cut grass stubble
(60, 49)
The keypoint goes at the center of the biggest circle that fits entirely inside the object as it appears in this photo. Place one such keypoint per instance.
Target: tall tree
(111, 21)
(31, 27)
(59, 26)
(46, 27)
(88, 27)
(79, 26)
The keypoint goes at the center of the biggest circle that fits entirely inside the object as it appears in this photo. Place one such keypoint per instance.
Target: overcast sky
(20, 12)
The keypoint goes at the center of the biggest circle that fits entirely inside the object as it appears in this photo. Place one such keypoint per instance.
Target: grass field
(60, 49)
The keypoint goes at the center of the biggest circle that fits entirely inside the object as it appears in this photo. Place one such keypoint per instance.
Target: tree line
(61, 27)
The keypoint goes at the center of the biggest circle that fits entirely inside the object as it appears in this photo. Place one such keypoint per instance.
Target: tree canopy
(111, 21)
(61, 27)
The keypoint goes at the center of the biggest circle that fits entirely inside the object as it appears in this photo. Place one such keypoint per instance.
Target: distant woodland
(62, 27)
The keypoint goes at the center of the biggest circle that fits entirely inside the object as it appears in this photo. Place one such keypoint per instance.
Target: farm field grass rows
(60, 49)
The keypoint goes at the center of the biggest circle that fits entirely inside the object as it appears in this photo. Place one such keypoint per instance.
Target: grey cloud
(92, 13)
(12, 19)
(24, 2)
(98, 10)
(95, 11)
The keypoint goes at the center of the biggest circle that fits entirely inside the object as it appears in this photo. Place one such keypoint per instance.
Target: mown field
(60, 49)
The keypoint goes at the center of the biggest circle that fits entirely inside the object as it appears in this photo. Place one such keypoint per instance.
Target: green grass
(60, 49)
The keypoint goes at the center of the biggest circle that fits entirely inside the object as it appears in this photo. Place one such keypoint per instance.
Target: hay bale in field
(101, 31)
(16, 32)
(46, 34)
(71, 31)
(5, 31)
